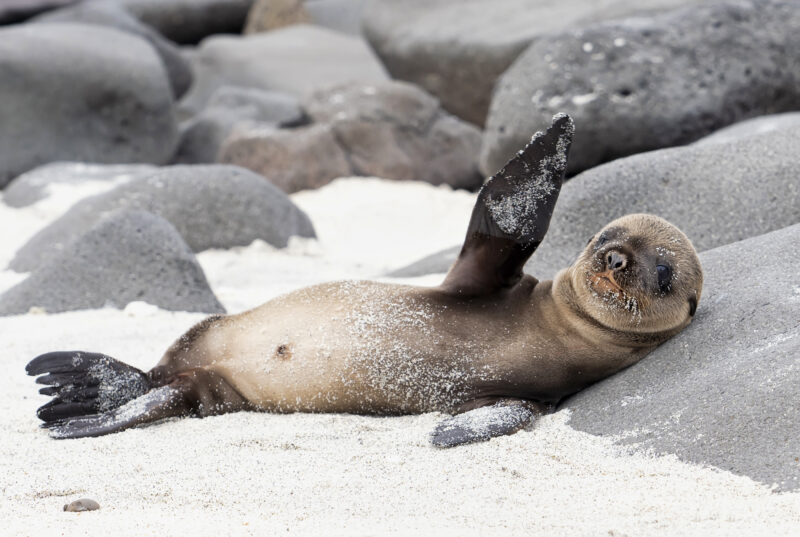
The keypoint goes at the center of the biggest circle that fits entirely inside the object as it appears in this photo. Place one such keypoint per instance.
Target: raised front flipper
(504, 417)
(512, 214)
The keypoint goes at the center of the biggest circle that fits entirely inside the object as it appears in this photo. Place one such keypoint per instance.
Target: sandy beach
(262, 474)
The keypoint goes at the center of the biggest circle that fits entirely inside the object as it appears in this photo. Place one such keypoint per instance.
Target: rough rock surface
(81, 92)
(203, 135)
(647, 83)
(189, 21)
(716, 193)
(13, 11)
(110, 15)
(751, 127)
(724, 391)
(126, 256)
(39, 183)
(456, 49)
(211, 206)
(292, 159)
(296, 59)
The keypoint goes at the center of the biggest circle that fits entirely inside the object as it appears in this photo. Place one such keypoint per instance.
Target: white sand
(261, 474)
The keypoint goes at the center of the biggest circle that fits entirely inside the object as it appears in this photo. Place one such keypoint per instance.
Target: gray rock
(456, 49)
(292, 159)
(38, 183)
(725, 391)
(188, 21)
(211, 207)
(202, 136)
(647, 83)
(341, 15)
(295, 59)
(266, 15)
(439, 262)
(81, 92)
(113, 16)
(13, 11)
(716, 193)
(395, 130)
(126, 256)
(751, 127)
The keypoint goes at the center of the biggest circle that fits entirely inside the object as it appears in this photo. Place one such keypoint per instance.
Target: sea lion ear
(512, 214)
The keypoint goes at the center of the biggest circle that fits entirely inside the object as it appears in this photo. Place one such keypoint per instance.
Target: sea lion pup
(495, 345)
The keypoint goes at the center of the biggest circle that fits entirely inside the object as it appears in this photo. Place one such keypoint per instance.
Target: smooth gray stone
(715, 193)
(14, 11)
(229, 106)
(126, 256)
(456, 49)
(751, 127)
(211, 206)
(81, 92)
(188, 21)
(341, 15)
(640, 84)
(725, 391)
(296, 59)
(438, 263)
(113, 16)
(38, 183)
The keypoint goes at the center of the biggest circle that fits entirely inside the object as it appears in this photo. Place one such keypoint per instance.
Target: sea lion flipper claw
(502, 418)
(512, 214)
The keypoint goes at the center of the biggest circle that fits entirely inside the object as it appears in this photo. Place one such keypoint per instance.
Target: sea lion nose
(616, 260)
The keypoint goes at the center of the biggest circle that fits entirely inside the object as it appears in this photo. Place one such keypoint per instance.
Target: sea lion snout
(616, 260)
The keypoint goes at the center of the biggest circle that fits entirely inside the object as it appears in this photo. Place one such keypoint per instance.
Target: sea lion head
(638, 274)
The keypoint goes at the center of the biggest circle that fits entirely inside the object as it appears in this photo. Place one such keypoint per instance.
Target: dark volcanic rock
(81, 92)
(106, 14)
(725, 391)
(203, 135)
(647, 83)
(456, 49)
(211, 207)
(126, 256)
(296, 59)
(189, 21)
(716, 193)
(36, 184)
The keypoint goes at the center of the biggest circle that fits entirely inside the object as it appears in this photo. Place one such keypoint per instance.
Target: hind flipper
(84, 383)
(504, 417)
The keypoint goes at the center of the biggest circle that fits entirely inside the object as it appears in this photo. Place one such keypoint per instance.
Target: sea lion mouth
(604, 282)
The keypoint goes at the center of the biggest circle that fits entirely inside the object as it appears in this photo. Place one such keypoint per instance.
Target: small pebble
(84, 504)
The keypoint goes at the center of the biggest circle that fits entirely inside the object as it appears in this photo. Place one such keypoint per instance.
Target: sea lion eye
(664, 277)
(602, 240)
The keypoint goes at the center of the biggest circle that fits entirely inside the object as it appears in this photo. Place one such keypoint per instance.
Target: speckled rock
(724, 391)
(395, 130)
(81, 92)
(189, 21)
(125, 257)
(716, 193)
(296, 59)
(39, 183)
(647, 83)
(456, 49)
(113, 16)
(203, 135)
(211, 206)
(292, 159)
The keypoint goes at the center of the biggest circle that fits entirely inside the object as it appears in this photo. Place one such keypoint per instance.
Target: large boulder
(647, 83)
(456, 49)
(111, 15)
(81, 92)
(392, 130)
(724, 391)
(211, 206)
(716, 193)
(125, 257)
(295, 59)
(757, 125)
(203, 135)
(188, 21)
(42, 182)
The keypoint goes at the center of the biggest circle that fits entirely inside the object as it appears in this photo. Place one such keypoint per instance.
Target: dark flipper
(512, 214)
(504, 417)
(84, 383)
